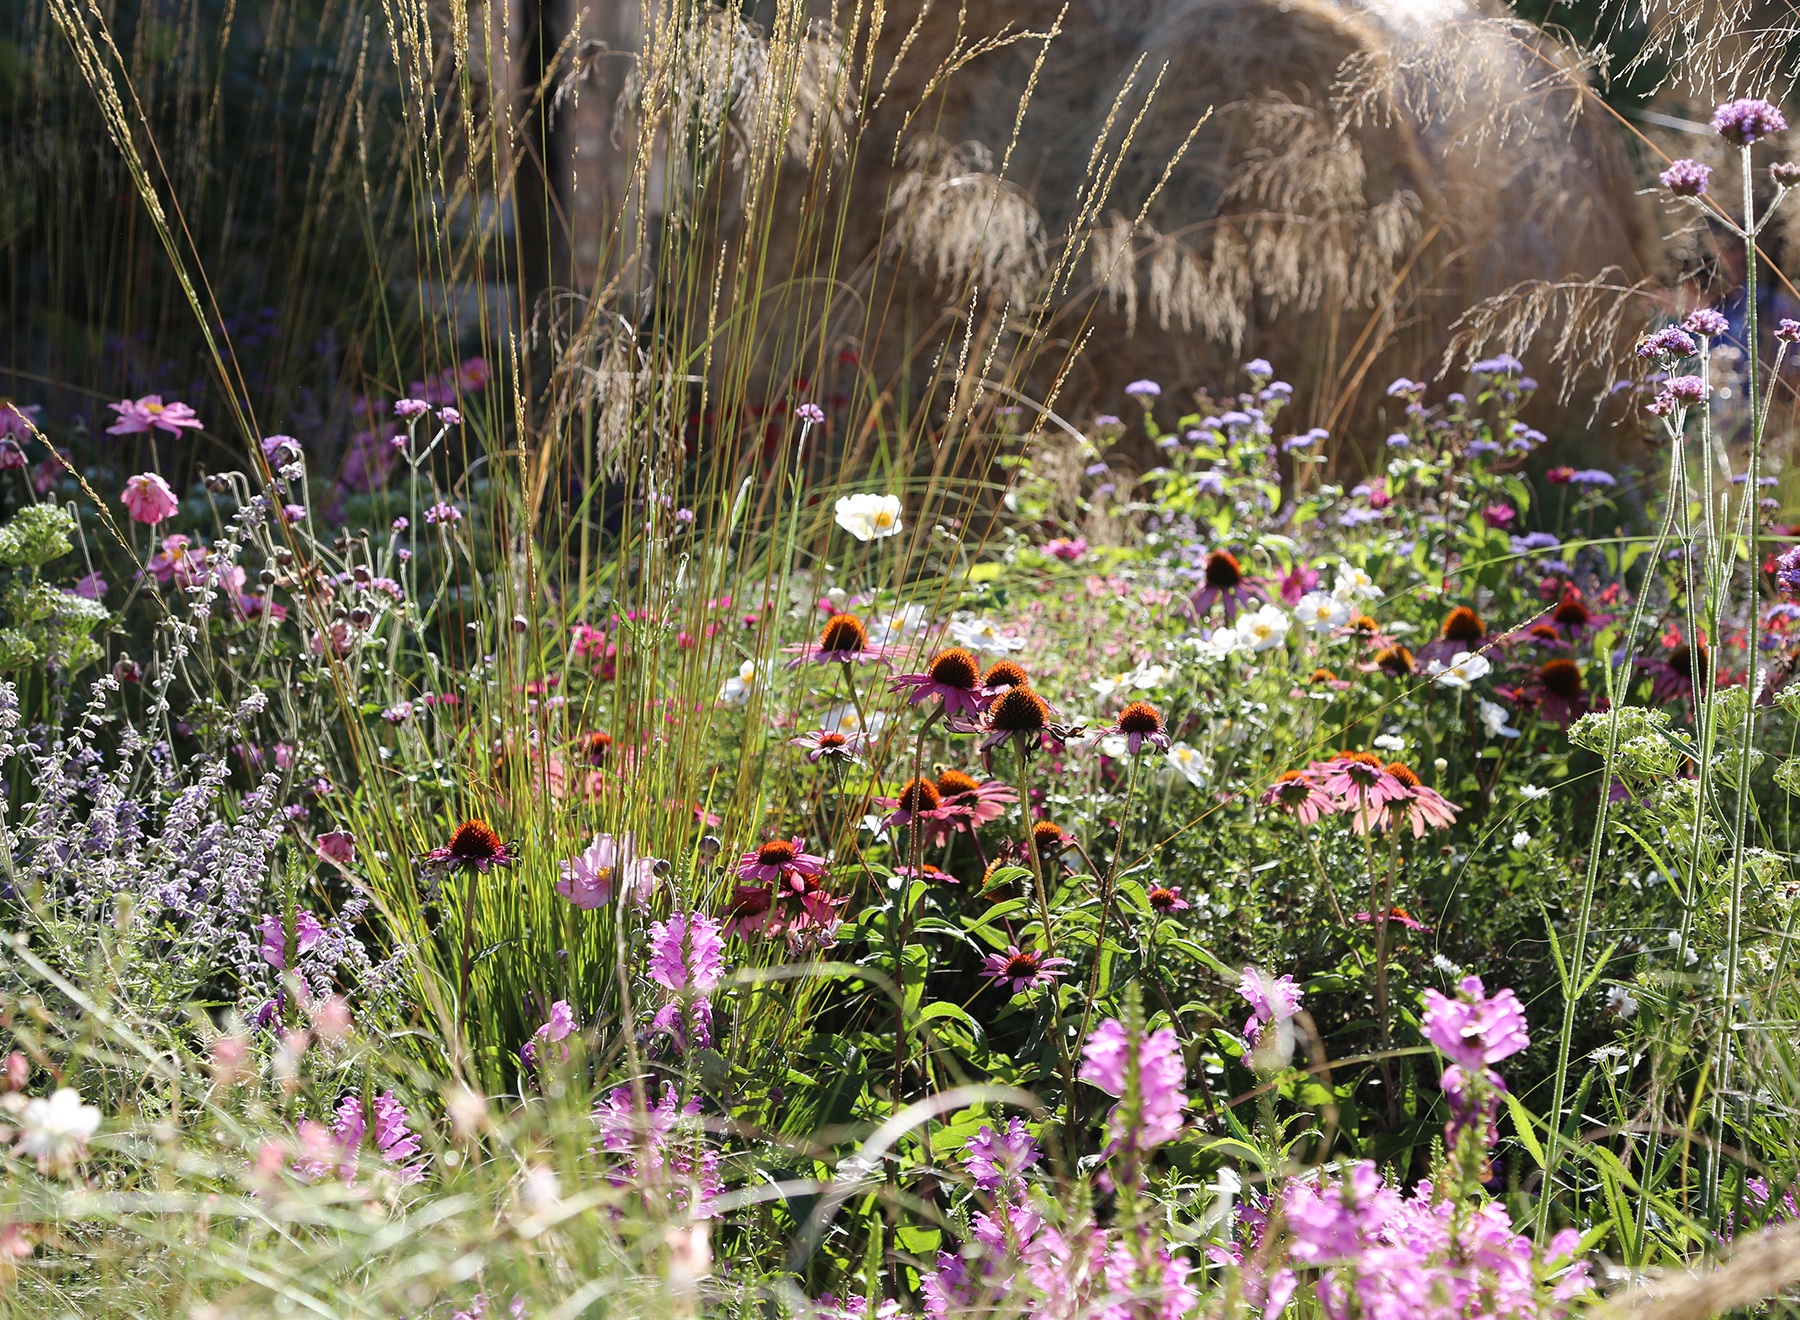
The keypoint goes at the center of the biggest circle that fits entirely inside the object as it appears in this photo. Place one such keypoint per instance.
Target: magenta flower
(1300, 579)
(150, 411)
(1398, 916)
(607, 865)
(148, 499)
(16, 422)
(1743, 121)
(919, 801)
(338, 846)
(91, 587)
(1273, 1003)
(1686, 178)
(411, 408)
(996, 1160)
(831, 745)
(1473, 1029)
(1297, 792)
(1707, 321)
(1685, 389)
(1019, 970)
(307, 934)
(1358, 780)
(473, 847)
(844, 641)
(985, 800)
(1161, 1071)
(780, 860)
(559, 1027)
(752, 912)
(442, 513)
(1669, 342)
(953, 677)
(687, 953)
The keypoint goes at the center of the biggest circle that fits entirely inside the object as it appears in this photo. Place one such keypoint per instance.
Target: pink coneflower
(752, 912)
(1018, 712)
(1021, 969)
(139, 416)
(1576, 621)
(1005, 674)
(830, 745)
(1397, 916)
(954, 678)
(1418, 805)
(986, 800)
(919, 801)
(1358, 780)
(778, 860)
(844, 641)
(930, 874)
(1462, 630)
(1140, 723)
(1395, 661)
(1558, 691)
(1051, 839)
(474, 847)
(1224, 581)
(1675, 676)
(1297, 793)
(1166, 899)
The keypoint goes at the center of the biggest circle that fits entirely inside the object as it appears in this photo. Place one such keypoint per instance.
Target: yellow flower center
(884, 519)
(153, 407)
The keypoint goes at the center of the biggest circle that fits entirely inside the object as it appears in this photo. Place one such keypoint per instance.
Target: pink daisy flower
(830, 745)
(1166, 899)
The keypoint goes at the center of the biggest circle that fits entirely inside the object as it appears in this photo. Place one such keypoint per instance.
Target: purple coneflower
(1021, 969)
(474, 847)
(1016, 713)
(1140, 723)
(1397, 916)
(1005, 674)
(1166, 899)
(1462, 630)
(954, 678)
(1051, 839)
(1557, 689)
(1416, 804)
(986, 799)
(780, 860)
(830, 745)
(1674, 677)
(752, 912)
(1358, 780)
(1575, 620)
(1298, 793)
(844, 641)
(1224, 581)
(919, 801)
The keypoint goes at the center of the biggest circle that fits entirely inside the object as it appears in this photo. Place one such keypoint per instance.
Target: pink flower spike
(307, 934)
(148, 498)
(140, 416)
(1473, 1029)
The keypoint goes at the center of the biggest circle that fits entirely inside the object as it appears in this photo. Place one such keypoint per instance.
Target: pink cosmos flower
(91, 587)
(1019, 969)
(1473, 1029)
(150, 411)
(307, 934)
(1161, 1071)
(148, 498)
(780, 860)
(339, 846)
(607, 865)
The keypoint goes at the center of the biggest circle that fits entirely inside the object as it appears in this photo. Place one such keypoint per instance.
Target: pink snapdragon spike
(687, 953)
(608, 865)
(307, 934)
(394, 1141)
(148, 499)
(1161, 1071)
(137, 417)
(667, 1154)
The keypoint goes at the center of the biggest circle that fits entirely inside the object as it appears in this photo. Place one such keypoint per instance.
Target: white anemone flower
(1188, 763)
(1222, 645)
(1493, 719)
(1264, 630)
(983, 636)
(869, 517)
(1319, 612)
(1464, 668)
(56, 1131)
(1354, 584)
(739, 686)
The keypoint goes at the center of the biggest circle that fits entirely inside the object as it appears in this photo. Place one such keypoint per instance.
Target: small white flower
(1115, 746)
(1445, 966)
(1148, 676)
(1440, 765)
(869, 517)
(1222, 645)
(893, 629)
(1621, 1001)
(1265, 629)
(1493, 719)
(842, 718)
(1531, 792)
(56, 1131)
(1105, 686)
(1354, 584)
(740, 685)
(1188, 763)
(1391, 742)
(1521, 840)
(1319, 612)
(983, 636)
(1464, 668)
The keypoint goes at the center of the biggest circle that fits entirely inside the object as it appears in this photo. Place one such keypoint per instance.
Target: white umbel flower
(869, 517)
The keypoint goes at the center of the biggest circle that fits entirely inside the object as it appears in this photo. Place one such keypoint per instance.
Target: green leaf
(1523, 1127)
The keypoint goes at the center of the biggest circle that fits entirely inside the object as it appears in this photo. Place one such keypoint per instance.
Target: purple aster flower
(1686, 178)
(1669, 342)
(1398, 440)
(1743, 121)
(1706, 321)
(1473, 1029)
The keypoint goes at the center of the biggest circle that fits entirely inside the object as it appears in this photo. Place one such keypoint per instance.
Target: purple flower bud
(1785, 173)
(1743, 121)
(1686, 178)
(1788, 332)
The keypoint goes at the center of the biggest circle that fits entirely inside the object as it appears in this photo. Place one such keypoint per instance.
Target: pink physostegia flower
(1160, 1073)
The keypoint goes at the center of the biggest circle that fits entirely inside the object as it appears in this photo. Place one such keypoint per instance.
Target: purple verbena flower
(1743, 121)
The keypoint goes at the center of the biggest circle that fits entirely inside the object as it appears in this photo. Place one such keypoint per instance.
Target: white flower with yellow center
(739, 686)
(869, 517)
(1264, 630)
(1188, 763)
(983, 636)
(1354, 584)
